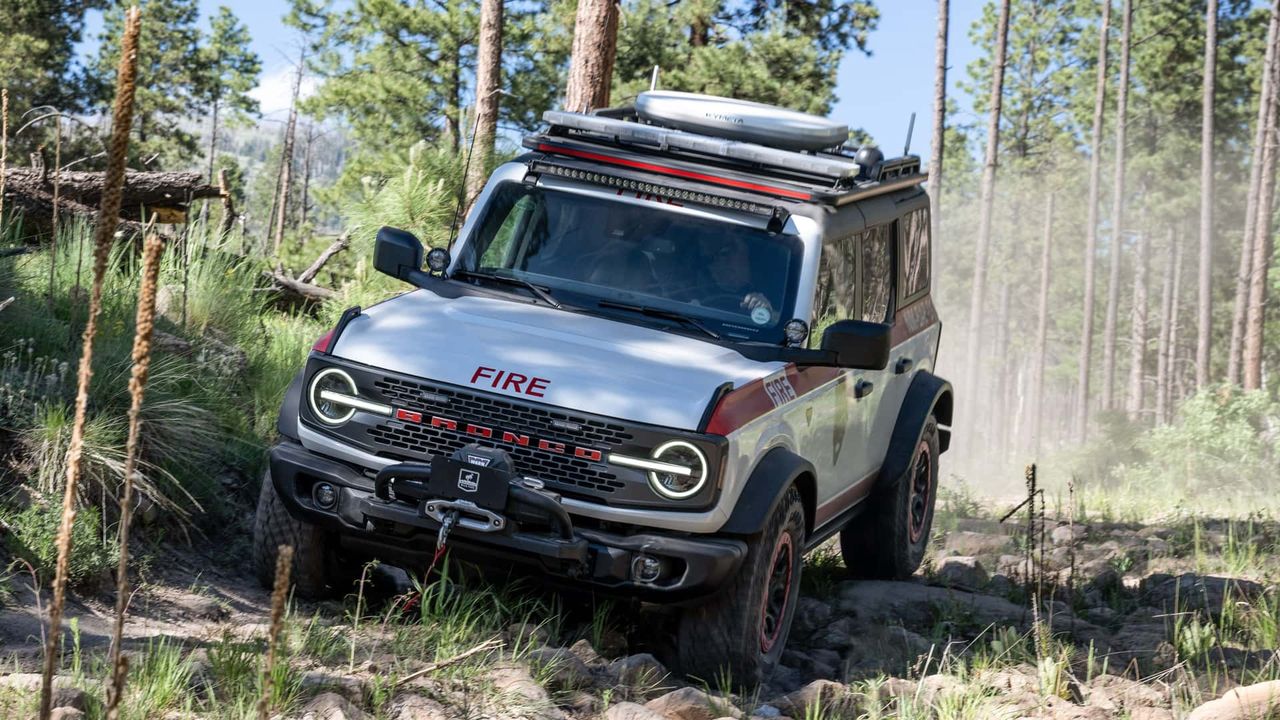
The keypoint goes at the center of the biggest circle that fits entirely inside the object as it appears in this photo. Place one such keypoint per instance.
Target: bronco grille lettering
(505, 436)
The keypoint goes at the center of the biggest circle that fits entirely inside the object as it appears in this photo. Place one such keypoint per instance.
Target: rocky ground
(1140, 622)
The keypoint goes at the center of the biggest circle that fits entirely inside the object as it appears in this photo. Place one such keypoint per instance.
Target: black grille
(563, 472)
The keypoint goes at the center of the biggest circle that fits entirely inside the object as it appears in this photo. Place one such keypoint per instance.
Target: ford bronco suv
(676, 346)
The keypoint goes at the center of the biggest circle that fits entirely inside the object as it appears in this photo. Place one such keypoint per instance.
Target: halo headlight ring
(313, 395)
(700, 471)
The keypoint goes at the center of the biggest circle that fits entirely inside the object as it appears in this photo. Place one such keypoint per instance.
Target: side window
(836, 296)
(914, 229)
(502, 250)
(877, 274)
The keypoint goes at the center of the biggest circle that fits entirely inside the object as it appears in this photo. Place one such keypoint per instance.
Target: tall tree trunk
(1176, 386)
(1166, 326)
(306, 176)
(1138, 329)
(1003, 419)
(939, 121)
(285, 183)
(1263, 239)
(595, 44)
(1241, 305)
(1042, 329)
(1091, 232)
(1204, 303)
(1117, 218)
(488, 85)
(213, 150)
(982, 248)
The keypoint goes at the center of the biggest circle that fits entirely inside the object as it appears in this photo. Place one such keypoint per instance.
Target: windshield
(737, 280)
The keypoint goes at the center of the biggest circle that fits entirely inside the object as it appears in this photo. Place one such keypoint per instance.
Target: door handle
(904, 365)
(863, 388)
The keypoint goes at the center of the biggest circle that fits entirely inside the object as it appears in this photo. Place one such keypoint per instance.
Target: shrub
(34, 535)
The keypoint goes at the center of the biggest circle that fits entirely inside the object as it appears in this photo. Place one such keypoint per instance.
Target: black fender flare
(776, 471)
(927, 395)
(287, 420)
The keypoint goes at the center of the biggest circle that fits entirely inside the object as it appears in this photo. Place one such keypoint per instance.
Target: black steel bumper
(401, 533)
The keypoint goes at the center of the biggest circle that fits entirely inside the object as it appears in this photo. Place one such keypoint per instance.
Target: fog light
(325, 495)
(646, 569)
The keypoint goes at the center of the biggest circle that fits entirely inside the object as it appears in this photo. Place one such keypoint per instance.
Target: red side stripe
(758, 397)
(676, 172)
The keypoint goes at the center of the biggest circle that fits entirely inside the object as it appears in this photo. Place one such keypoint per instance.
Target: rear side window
(914, 229)
(855, 279)
(877, 274)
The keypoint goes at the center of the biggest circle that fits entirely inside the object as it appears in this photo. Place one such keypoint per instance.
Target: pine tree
(488, 85)
(1263, 236)
(233, 70)
(1117, 215)
(938, 143)
(1204, 315)
(1091, 227)
(174, 78)
(595, 45)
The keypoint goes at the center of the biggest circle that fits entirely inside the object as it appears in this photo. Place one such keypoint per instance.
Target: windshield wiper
(660, 313)
(540, 293)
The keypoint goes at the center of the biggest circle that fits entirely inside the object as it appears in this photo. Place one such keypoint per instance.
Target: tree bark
(595, 45)
(1263, 240)
(140, 188)
(1091, 231)
(1042, 330)
(1138, 329)
(1117, 218)
(1241, 305)
(982, 247)
(939, 121)
(488, 85)
(1163, 359)
(1176, 386)
(228, 207)
(1204, 301)
(304, 210)
(286, 162)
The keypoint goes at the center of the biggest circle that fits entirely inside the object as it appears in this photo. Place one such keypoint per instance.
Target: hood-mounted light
(438, 260)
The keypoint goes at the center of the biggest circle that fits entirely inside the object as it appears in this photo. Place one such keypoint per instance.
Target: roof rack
(826, 177)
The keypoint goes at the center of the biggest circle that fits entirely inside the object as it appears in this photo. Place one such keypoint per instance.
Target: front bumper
(402, 533)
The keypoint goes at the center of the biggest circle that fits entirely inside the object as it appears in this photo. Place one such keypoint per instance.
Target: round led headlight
(330, 382)
(676, 483)
(438, 260)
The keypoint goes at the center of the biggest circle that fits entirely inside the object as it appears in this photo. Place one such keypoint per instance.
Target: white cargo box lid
(753, 122)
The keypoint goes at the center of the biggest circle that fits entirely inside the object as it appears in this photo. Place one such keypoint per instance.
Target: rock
(641, 669)
(691, 704)
(1150, 713)
(1198, 592)
(1068, 534)
(1243, 703)
(582, 703)
(931, 687)
(70, 697)
(1012, 566)
(964, 571)
(353, 688)
(837, 635)
(516, 681)
(587, 654)
(884, 649)
(811, 616)
(416, 707)
(631, 711)
(1114, 693)
(612, 643)
(66, 713)
(999, 585)
(914, 605)
(766, 711)
(528, 635)
(331, 706)
(567, 670)
(832, 698)
(974, 543)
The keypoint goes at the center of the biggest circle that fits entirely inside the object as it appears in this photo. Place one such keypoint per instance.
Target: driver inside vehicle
(729, 284)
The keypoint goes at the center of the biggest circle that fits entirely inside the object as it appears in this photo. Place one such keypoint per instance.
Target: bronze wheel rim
(777, 593)
(921, 480)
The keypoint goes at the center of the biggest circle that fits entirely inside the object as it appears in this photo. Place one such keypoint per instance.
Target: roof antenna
(653, 79)
(911, 126)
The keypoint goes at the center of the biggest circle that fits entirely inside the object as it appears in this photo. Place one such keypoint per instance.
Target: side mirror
(397, 253)
(857, 344)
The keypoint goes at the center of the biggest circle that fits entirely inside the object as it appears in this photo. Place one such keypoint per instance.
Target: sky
(877, 93)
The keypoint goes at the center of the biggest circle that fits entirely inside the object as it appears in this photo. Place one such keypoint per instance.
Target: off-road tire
(889, 540)
(726, 639)
(312, 574)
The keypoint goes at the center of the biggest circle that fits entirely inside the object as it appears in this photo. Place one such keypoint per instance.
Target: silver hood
(586, 363)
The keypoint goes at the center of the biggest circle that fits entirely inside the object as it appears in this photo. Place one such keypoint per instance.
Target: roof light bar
(640, 186)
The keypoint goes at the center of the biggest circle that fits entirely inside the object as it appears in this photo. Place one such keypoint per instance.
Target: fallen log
(303, 290)
(338, 246)
(140, 188)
